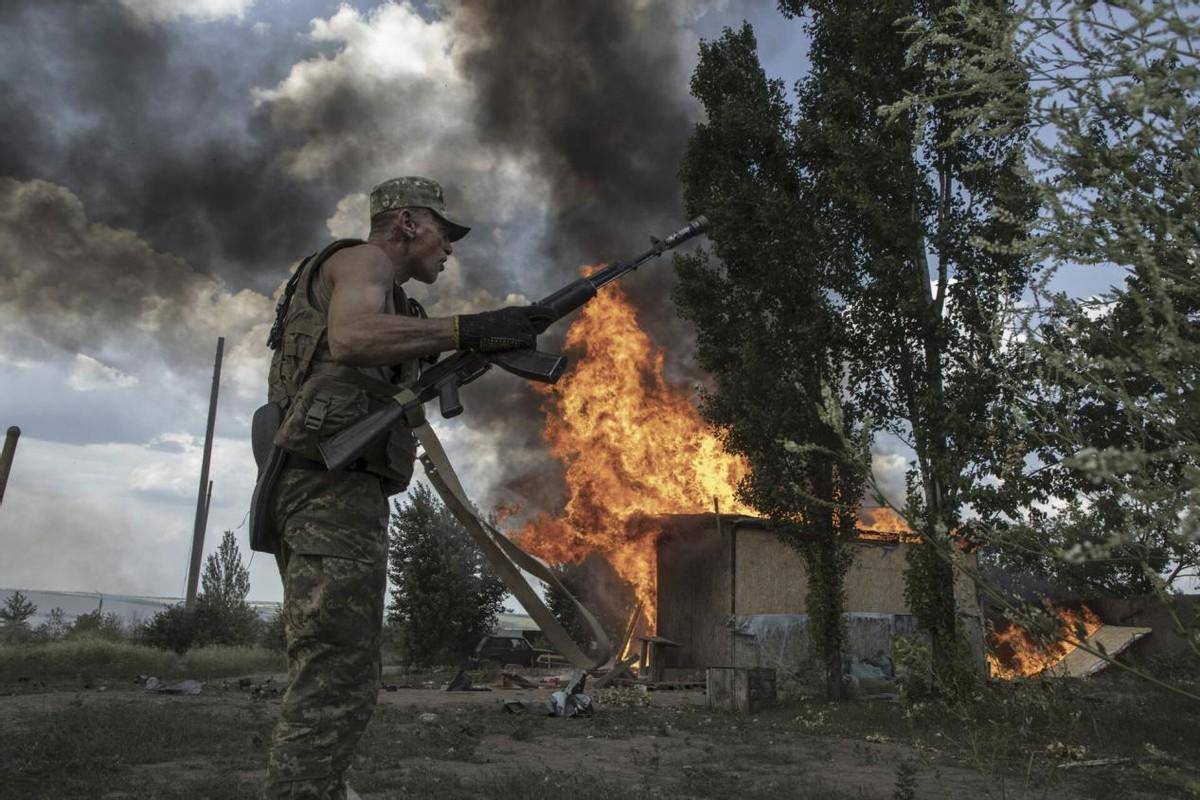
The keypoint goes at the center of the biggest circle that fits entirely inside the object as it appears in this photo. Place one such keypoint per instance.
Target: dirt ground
(120, 742)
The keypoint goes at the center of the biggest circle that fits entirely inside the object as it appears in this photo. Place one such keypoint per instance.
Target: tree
(766, 335)
(14, 617)
(56, 625)
(896, 210)
(223, 615)
(273, 634)
(1106, 417)
(445, 595)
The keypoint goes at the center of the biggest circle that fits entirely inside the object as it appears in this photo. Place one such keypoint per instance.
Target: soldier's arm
(361, 332)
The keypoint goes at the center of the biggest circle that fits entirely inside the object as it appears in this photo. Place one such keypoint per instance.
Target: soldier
(350, 336)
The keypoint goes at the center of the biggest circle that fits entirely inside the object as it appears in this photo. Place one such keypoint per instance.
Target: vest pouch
(401, 455)
(270, 460)
(324, 406)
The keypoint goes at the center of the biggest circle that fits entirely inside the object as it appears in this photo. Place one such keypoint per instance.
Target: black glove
(512, 328)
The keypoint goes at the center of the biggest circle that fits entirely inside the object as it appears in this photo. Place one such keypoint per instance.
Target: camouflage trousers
(333, 528)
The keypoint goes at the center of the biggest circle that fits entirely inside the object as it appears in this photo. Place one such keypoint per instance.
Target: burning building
(636, 459)
(732, 593)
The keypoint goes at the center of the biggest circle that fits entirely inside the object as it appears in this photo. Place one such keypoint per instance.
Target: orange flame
(633, 448)
(882, 524)
(1016, 653)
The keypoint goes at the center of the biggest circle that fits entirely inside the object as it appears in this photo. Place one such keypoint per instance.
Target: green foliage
(174, 628)
(222, 614)
(99, 625)
(14, 618)
(765, 331)
(1098, 455)
(273, 633)
(104, 658)
(906, 780)
(898, 209)
(914, 670)
(445, 595)
(55, 627)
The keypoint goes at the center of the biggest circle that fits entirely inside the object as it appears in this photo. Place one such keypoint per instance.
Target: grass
(128, 744)
(89, 749)
(93, 658)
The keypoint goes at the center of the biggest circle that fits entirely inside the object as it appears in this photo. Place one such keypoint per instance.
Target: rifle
(443, 379)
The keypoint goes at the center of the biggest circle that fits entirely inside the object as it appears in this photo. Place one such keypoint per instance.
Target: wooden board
(744, 690)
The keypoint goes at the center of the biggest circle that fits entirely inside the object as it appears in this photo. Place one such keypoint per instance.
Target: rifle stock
(343, 447)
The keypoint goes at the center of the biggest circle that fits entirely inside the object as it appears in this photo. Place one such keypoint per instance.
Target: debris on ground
(184, 687)
(511, 680)
(461, 682)
(571, 700)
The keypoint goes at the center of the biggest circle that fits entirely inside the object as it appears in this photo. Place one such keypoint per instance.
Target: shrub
(173, 628)
(97, 624)
(98, 657)
(272, 634)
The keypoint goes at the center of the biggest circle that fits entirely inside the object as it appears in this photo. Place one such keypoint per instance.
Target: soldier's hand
(511, 328)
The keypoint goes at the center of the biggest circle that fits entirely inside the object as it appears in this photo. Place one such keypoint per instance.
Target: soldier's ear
(405, 227)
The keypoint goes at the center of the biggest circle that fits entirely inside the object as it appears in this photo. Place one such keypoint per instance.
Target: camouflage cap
(414, 192)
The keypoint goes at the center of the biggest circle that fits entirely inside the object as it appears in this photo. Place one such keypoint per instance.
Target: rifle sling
(506, 557)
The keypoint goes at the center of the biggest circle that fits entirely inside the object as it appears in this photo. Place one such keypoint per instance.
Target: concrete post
(6, 457)
(202, 500)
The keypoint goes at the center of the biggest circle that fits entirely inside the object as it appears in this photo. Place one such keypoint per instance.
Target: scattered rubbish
(522, 707)
(874, 676)
(1095, 762)
(1108, 639)
(184, 687)
(511, 680)
(620, 672)
(462, 683)
(428, 717)
(571, 701)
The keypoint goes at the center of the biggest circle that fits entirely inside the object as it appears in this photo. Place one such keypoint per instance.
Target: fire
(882, 524)
(1015, 653)
(633, 447)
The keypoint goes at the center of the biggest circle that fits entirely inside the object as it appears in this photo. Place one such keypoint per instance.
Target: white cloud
(134, 315)
(351, 220)
(198, 10)
(87, 374)
(392, 101)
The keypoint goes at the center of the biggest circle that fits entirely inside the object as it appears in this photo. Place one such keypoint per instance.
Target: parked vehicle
(508, 651)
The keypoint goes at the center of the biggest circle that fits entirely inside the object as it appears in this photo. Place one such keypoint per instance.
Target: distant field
(96, 660)
(1066, 740)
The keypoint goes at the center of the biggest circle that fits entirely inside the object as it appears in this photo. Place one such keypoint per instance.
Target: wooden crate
(745, 690)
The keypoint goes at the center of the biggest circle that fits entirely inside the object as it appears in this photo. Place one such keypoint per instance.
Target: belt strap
(296, 461)
(505, 556)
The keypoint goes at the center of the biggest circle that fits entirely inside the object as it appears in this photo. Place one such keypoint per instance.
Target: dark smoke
(598, 96)
(154, 130)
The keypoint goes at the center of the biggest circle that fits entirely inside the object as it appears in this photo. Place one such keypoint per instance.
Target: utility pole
(6, 457)
(205, 486)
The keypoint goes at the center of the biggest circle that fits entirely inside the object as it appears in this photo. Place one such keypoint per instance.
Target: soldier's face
(429, 248)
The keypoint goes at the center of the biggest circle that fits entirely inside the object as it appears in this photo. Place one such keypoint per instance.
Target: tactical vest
(320, 397)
